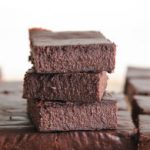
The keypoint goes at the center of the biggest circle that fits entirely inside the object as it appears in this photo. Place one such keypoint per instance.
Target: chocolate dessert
(85, 87)
(66, 116)
(65, 52)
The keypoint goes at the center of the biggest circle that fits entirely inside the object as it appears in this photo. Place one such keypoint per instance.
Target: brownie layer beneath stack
(58, 116)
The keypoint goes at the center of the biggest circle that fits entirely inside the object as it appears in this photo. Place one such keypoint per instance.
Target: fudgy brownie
(144, 132)
(119, 97)
(86, 87)
(17, 132)
(135, 72)
(138, 86)
(58, 116)
(140, 105)
(64, 52)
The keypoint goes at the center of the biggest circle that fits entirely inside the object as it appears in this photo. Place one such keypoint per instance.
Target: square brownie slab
(85, 87)
(58, 116)
(74, 51)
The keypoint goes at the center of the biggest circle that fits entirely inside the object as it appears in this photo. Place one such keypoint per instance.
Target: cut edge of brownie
(95, 58)
(65, 87)
(76, 51)
(44, 115)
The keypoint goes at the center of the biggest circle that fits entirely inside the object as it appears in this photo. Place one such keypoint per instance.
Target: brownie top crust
(143, 103)
(42, 37)
(138, 72)
(141, 85)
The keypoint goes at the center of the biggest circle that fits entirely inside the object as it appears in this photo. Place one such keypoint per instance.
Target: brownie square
(58, 116)
(122, 104)
(65, 52)
(85, 87)
(135, 73)
(144, 132)
(138, 86)
(140, 105)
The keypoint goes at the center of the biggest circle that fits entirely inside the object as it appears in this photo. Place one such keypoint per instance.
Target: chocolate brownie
(119, 97)
(58, 116)
(17, 132)
(144, 132)
(141, 105)
(138, 86)
(65, 52)
(86, 87)
(135, 72)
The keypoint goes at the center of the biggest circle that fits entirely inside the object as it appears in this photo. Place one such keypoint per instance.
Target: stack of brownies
(66, 85)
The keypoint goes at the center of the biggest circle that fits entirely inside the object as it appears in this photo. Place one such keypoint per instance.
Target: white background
(127, 23)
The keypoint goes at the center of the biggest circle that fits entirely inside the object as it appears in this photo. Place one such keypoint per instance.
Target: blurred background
(127, 23)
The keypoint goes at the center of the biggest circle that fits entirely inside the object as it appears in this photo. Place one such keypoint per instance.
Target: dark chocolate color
(119, 97)
(58, 116)
(144, 132)
(85, 87)
(141, 105)
(143, 102)
(136, 73)
(64, 52)
(17, 132)
(138, 86)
